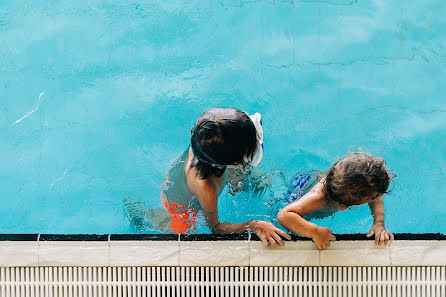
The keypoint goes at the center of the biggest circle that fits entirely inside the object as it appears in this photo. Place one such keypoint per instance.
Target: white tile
(416, 253)
(214, 253)
(300, 253)
(73, 253)
(144, 253)
(355, 253)
(19, 253)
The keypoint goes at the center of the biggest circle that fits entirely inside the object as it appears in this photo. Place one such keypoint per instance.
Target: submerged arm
(267, 232)
(218, 227)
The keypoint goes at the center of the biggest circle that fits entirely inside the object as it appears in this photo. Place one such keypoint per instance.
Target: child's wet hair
(357, 178)
(225, 135)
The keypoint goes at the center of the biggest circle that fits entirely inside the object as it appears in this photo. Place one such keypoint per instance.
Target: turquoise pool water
(98, 97)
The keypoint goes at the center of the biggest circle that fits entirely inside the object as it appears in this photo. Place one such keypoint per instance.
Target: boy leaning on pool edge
(356, 179)
(223, 140)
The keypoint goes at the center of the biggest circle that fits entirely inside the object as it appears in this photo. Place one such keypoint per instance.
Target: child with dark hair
(356, 179)
(222, 140)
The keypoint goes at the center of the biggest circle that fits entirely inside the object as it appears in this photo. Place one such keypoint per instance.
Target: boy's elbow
(281, 216)
(216, 231)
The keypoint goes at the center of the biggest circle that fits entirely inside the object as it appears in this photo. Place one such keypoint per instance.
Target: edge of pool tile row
(196, 237)
(73, 237)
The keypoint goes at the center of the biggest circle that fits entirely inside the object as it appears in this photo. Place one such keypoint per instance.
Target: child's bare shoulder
(318, 191)
(311, 201)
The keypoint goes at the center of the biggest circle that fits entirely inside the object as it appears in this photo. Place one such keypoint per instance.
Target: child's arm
(291, 217)
(382, 235)
(267, 232)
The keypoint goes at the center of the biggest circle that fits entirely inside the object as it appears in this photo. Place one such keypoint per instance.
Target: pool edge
(234, 251)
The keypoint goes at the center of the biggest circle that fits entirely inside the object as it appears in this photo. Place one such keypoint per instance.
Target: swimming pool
(99, 98)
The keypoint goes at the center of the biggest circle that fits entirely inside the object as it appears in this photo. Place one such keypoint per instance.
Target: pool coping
(136, 250)
(199, 237)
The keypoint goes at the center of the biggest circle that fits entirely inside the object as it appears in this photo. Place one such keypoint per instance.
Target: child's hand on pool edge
(322, 237)
(268, 233)
(382, 235)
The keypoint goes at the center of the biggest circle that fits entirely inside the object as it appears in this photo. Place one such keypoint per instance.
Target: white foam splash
(32, 111)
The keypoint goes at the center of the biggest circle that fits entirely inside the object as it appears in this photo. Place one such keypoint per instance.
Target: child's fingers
(263, 239)
(384, 238)
(278, 239)
(381, 239)
(284, 234)
(332, 237)
(378, 239)
(370, 233)
(391, 236)
(272, 241)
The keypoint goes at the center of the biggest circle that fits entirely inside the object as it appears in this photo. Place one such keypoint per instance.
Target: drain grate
(222, 281)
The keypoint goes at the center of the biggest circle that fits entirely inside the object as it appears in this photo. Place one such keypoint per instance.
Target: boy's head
(356, 179)
(222, 136)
